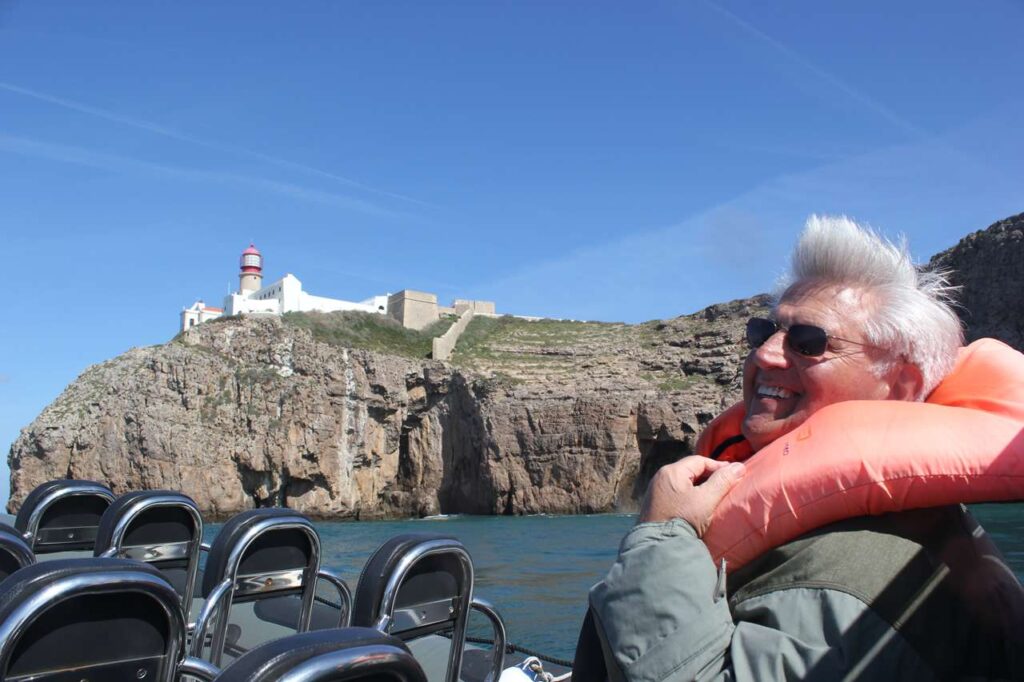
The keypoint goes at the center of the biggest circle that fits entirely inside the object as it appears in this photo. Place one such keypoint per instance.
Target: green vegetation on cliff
(354, 329)
(526, 350)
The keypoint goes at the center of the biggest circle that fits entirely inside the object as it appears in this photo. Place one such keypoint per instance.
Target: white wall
(291, 294)
(238, 304)
(310, 303)
(197, 314)
(379, 304)
(286, 295)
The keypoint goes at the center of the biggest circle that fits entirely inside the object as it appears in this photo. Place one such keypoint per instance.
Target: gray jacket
(912, 596)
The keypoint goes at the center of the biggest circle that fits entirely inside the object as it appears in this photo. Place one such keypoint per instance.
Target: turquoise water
(537, 569)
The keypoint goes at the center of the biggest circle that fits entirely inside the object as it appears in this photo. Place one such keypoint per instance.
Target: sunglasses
(803, 339)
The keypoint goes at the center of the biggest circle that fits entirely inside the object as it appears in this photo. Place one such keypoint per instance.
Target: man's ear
(907, 383)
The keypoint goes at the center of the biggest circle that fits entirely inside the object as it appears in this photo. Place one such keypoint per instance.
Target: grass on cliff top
(369, 331)
(494, 337)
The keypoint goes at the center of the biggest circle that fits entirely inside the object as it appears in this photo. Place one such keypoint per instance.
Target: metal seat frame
(31, 534)
(331, 666)
(391, 618)
(159, 552)
(232, 585)
(376, 660)
(13, 543)
(74, 586)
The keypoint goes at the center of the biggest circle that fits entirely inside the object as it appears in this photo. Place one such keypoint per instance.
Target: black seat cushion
(284, 611)
(68, 523)
(272, 660)
(274, 551)
(159, 525)
(36, 496)
(14, 551)
(87, 628)
(431, 579)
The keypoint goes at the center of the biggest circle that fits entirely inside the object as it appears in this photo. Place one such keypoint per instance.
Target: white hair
(910, 308)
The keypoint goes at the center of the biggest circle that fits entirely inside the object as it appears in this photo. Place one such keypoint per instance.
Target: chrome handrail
(32, 525)
(211, 606)
(24, 615)
(429, 548)
(345, 618)
(500, 637)
(373, 657)
(198, 668)
(16, 547)
(129, 515)
(274, 523)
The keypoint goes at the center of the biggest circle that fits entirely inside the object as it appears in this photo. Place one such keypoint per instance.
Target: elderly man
(911, 595)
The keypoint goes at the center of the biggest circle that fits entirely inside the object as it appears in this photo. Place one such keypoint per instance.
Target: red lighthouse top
(252, 260)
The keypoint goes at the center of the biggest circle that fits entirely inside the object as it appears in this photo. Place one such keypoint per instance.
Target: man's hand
(689, 489)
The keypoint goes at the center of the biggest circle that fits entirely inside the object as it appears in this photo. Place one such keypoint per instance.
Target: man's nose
(772, 353)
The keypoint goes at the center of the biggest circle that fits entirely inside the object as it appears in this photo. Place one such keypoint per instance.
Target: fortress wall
(443, 345)
(484, 307)
(414, 309)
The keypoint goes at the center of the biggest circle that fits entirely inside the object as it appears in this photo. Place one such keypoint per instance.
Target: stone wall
(443, 345)
(414, 309)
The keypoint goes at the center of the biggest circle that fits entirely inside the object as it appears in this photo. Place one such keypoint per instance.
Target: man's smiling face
(782, 388)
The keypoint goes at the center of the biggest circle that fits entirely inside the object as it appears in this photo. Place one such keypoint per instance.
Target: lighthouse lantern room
(251, 275)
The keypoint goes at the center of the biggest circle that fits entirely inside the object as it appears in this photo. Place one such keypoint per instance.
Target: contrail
(164, 131)
(93, 159)
(851, 92)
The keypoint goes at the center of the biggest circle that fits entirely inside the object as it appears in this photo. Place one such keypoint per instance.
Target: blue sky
(598, 160)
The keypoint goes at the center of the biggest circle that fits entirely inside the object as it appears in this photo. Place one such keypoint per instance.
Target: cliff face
(547, 416)
(988, 265)
(552, 417)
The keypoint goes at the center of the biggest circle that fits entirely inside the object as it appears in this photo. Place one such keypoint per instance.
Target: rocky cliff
(530, 417)
(988, 266)
(340, 416)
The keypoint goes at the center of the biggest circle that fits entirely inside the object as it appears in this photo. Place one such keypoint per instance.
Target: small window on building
(191, 323)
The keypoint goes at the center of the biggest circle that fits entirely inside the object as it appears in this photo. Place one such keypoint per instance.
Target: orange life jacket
(865, 457)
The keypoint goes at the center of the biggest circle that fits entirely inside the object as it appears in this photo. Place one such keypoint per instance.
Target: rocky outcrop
(557, 417)
(988, 266)
(241, 414)
(528, 417)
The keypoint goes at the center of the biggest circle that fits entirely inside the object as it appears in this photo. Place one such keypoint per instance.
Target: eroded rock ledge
(553, 417)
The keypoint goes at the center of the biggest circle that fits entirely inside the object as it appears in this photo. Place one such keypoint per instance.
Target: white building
(197, 314)
(283, 296)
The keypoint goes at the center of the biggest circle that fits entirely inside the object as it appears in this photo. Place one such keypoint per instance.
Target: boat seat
(62, 515)
(327, 614)
(327, 656)
(260, 555)
(90, 619)
(160, 527)
(14, 551)
(419, 584)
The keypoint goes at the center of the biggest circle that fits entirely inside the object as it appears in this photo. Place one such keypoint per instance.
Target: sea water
(537, 569)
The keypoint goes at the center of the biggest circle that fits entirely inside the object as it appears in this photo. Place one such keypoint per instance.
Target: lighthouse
(281, 296)
(251, 275)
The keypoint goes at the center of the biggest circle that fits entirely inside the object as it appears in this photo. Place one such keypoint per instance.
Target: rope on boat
(327, 602)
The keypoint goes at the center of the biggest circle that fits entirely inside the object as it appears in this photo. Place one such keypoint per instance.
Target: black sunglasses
(804, 339)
